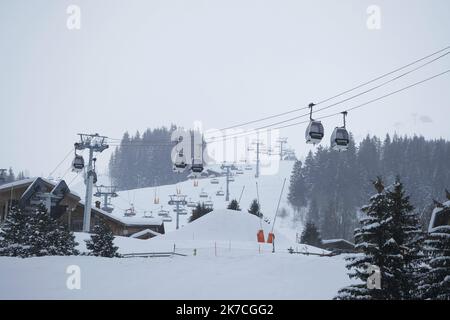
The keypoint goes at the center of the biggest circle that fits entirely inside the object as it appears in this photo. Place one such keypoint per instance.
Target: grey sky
(139, 64)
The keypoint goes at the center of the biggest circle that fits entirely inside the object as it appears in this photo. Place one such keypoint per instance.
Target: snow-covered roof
(19, 183)
(330, 241)
(129, 221)
(23, 182)
(144, 232)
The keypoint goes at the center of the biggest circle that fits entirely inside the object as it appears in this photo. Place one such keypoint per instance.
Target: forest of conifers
(330, 187)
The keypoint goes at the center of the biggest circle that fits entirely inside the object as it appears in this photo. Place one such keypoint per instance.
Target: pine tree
(311, 235)
(35, 234)
(199, 211)
(101, 243)
(313, 214)
(329, 225)
(234, 205)
(435, 279)
(374, 238)
(255, 209)
(297, 187)
(14, 234)
(406, 231)
(49, 237)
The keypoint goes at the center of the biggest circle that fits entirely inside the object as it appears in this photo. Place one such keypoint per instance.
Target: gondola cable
(338, 113)
(339, 94)
(346, 99)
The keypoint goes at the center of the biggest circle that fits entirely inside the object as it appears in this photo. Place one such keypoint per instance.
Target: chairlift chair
(129, 212)
(209, 205)
(215, 181)
(163, 213)
(220, 193)
(314, 132)
(191, 204)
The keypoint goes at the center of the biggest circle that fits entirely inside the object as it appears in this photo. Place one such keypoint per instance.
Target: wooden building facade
(67, 207)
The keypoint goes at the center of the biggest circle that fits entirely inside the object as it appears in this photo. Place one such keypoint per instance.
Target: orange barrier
(270, 237)
(260, 236)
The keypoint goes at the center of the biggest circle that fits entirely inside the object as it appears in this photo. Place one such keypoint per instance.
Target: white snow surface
(259, 276)
(223, 259)
(269, 192)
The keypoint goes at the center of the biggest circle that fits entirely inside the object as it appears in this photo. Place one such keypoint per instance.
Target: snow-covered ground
(257, 276)
(223, 259)
(228, 264)
(269, 192)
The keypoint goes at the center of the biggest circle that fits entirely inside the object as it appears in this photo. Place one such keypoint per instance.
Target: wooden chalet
(67, 207)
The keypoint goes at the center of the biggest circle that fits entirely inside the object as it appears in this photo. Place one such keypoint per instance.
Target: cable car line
(342, 93)
(338, 113)
(62, 161)
(351, 97)
(385, 75)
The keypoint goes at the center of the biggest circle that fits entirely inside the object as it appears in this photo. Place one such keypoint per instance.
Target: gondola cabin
(340, 139)
(78, 164)
(314, 132)
(197, 166)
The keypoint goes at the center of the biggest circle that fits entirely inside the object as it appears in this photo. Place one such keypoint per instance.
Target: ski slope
(218, 233)
(269, 192)
(222, 260)
(262, 276)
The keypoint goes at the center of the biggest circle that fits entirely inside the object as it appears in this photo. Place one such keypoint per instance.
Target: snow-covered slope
(222, 225)
(261, 276)
(269, 191)
(220, 232)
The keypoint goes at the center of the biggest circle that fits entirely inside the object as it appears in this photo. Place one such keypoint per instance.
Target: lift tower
(94, 143)
(106, 192)
(178, 200)
(227, 167)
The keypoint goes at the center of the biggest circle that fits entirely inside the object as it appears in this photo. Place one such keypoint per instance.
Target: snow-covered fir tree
(435, 280)
(49, 237)
(234, 205)
(329, 223)
(313, 214)
(35, 234)
(375, 239)
(255, 209)
(14, 234)
(311, 235)
(408, 235)
(297, 187)
(199, 211)
(101, 243)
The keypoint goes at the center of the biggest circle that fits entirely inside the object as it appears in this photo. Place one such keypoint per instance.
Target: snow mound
(222, 224)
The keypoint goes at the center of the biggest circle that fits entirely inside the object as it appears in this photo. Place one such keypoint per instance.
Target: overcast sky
(139, 64)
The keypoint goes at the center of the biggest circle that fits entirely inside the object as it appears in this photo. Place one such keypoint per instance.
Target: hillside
(269, 191)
